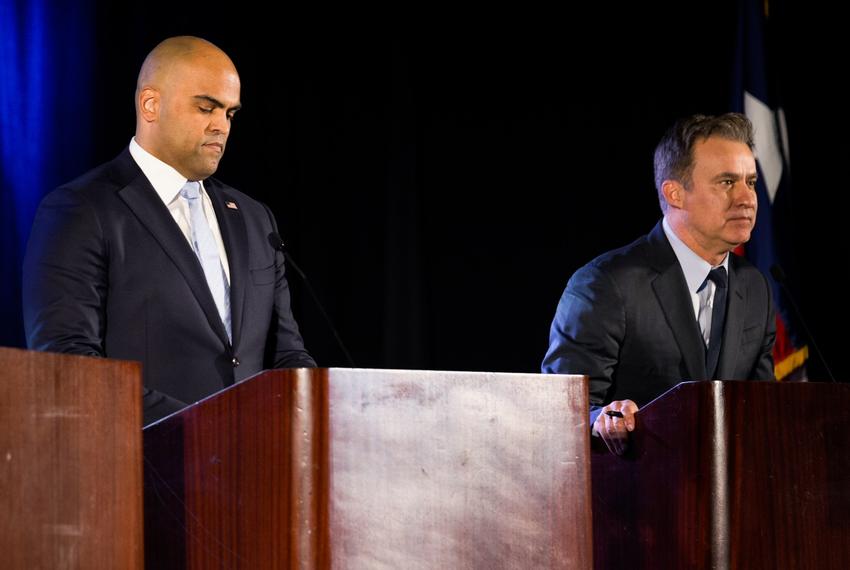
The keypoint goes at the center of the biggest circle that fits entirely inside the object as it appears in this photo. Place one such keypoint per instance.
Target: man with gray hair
(676, 304)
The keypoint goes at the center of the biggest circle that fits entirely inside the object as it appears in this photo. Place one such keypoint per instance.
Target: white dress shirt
(694, 267)
(168, 182)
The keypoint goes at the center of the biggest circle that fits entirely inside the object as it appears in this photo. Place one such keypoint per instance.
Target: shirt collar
(693, 266)
(164, 178)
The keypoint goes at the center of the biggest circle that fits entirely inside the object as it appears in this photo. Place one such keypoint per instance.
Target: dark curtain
(46, 59)
(440, 177)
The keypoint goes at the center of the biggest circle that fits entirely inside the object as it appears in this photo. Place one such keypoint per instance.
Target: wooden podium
(743, 475)
(345, 468)
(70, 462)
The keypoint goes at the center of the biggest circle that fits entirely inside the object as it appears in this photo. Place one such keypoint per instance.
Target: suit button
(235, 362)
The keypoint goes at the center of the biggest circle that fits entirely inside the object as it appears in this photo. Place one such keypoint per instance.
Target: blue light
(43, 44)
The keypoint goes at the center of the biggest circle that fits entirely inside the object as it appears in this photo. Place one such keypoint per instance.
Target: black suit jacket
(109, 273)
(627, 321)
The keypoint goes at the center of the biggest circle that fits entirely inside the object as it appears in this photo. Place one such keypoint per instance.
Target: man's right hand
(614, 430)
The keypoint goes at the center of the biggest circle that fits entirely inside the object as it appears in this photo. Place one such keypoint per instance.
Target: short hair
(674, 155)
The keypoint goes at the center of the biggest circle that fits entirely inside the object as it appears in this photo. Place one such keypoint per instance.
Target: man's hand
(614, 423)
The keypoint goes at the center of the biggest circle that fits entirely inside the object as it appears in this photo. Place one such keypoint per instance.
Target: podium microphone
(779, 276)
(278, 245)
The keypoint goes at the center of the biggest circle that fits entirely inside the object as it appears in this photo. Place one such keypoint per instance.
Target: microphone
(779, 276)
(278, 245)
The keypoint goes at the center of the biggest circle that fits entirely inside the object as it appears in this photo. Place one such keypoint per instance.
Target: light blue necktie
(206, 249)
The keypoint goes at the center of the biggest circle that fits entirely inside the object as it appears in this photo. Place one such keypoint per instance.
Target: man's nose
(219, 122)
(745, 195)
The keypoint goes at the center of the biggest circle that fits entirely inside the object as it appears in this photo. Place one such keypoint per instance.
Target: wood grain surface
(70, 462)
(743, 475)
(343, 468)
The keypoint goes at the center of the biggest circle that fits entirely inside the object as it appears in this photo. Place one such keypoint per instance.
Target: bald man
(149, 258)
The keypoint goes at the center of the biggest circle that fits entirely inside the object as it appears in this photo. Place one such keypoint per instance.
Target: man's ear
(149, 101)
(673, 193)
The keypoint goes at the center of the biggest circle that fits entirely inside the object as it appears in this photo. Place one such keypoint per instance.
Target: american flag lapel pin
(231, 205)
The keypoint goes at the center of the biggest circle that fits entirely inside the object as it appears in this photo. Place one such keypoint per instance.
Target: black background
(439, 176)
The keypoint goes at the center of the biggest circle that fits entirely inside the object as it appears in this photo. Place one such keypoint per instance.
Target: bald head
(171, 55)
(186, 95)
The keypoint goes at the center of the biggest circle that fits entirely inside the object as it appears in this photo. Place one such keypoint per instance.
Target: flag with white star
(756, 94)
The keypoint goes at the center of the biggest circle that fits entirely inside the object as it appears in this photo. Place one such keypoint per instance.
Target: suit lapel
(736, 308)
(231, 223)
(672, 293)
(143, 201)
(672, 296)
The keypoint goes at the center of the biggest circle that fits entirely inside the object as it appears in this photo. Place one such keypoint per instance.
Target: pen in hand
(614, 414)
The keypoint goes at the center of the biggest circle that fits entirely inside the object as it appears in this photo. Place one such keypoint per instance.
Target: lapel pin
(231, 205)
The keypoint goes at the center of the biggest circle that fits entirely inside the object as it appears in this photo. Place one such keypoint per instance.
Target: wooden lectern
(70, 462)
(343, 468)
(743, 475)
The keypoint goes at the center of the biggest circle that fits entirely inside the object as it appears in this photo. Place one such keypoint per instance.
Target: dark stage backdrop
(440, 178)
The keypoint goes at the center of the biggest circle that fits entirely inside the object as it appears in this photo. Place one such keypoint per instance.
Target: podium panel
(71, 456)
(743, 475)
(346, 468)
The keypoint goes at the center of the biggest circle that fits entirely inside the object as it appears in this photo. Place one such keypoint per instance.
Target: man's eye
(205, 110)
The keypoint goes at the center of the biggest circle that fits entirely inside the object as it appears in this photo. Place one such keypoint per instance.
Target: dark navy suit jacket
(109, 273)
(627, 321)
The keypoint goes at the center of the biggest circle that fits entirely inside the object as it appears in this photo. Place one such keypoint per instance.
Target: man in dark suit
(149, 258)
(676, 304)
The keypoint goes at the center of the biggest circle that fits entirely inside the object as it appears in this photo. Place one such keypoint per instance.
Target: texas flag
(758, 99)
